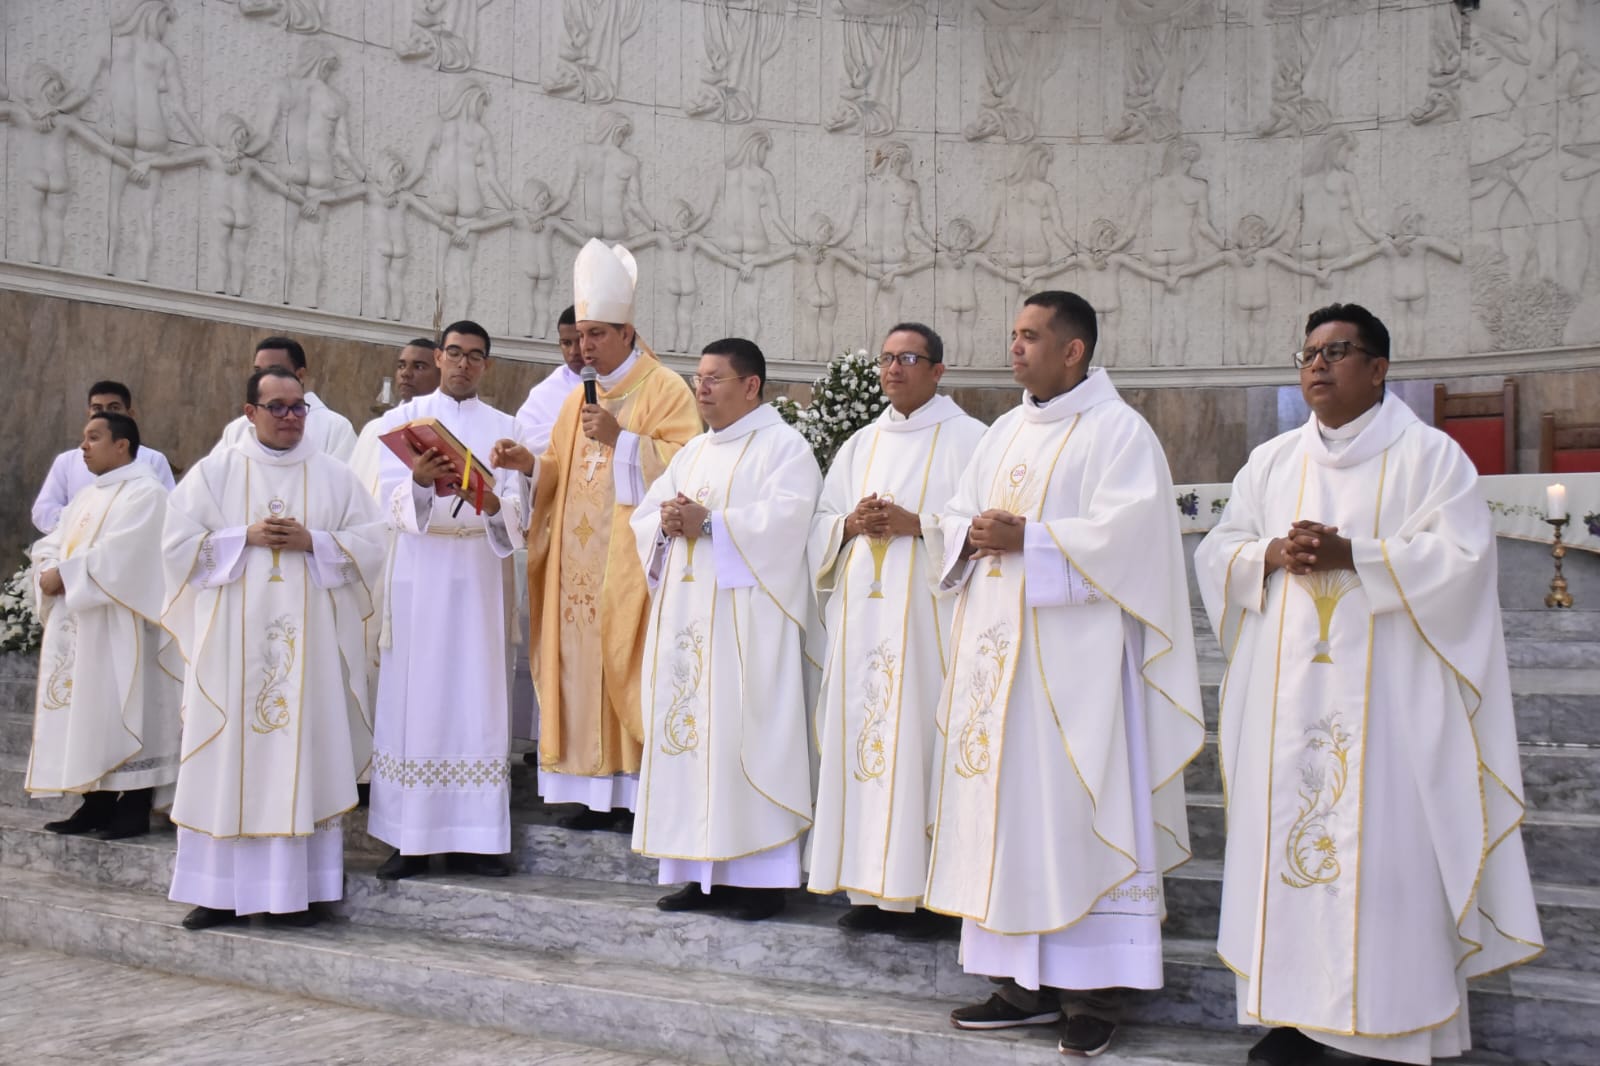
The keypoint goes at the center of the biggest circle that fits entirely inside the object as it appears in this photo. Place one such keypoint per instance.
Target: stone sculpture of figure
(229, 158)
(296, 16)
(740, 37)
(604, 188)
(1027, 218)
(1101, 260)
(1445, 67)
(1165, 43)
(590, 62)
(444, 34)
(745, 205)
(1311, 41)
(1330, 202)
(892, 202)
(142, 83)
(882, 43)
(818, 256)
(1406, 252)
(1499, 58)
(679, 240)
(315, 121)
(44, 122)
(535, 224)
(1586, 169)
(958, 257)
(1252, 256)
(461, 152)
(1019, 55)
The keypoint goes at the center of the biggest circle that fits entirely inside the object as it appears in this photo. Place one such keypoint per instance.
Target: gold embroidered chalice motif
(1014, 499)
(276, 508)
(701, 495)
(879, 546)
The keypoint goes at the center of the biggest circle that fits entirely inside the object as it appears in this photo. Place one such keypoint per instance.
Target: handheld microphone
(590, 391)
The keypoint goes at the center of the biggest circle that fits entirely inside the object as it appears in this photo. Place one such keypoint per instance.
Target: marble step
(16, 732)
(1554, 777)
(1563, 846)
(14, 775)
(475, 907)
(1553, 706)
(691, 1014)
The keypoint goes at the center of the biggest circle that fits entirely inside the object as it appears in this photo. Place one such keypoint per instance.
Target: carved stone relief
(382, 161)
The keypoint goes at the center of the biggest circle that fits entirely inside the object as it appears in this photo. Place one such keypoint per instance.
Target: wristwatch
(705, 527)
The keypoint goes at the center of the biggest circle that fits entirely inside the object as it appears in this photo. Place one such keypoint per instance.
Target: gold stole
(988, 625)
(1318, 733)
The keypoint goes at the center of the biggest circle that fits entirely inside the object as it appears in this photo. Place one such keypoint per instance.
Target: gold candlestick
(1559, 597)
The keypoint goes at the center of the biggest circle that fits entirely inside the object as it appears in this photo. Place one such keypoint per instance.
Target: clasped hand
(285, 534)
(877, 516)
(995, 532)
(1309, 547)
(50, 582)
(682, 517)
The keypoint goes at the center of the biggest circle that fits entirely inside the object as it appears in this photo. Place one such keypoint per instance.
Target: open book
(420, 434)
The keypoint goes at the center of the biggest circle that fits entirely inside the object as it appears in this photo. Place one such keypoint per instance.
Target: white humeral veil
(886, 621)
(725, 785)
(1374, 857)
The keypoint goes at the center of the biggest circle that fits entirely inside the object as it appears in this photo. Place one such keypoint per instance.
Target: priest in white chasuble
(1072, 701)
(725, 788)
(271, 548)
(1374, 858)
(105, 713)
(876, 553)
(586, 594)
(441, 773)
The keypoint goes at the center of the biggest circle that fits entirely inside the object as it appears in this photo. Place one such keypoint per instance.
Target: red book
(420, 434)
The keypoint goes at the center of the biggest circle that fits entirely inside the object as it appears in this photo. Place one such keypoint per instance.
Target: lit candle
(1555, 502)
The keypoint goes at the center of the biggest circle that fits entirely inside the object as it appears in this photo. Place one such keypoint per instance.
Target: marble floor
(57, 1010)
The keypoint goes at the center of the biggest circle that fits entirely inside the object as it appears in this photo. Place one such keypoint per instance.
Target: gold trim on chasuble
(679, 728)
(57, 688)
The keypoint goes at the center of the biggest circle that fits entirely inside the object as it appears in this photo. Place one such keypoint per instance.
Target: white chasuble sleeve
(116, 570)
(761, 528)
(645, 522)
(628, 474)
(837, 499)
(1230, 564)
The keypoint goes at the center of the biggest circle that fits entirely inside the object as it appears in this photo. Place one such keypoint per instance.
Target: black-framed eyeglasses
(278, 409)
(696, 380)
(456, 355)
(1331, 353)
(903, 358)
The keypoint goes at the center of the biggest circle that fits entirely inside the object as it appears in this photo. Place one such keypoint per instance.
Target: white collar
(1094, 389)
(1351, 429)
(938, 409)
(126, 472)
(611, 380)
(763, 416)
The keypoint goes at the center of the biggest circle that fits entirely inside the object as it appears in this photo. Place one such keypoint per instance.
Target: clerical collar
(445, 396)
(764, 415)
(1095, 388)
(613, 379)
(275, 452)
(1338, 438)
(125, 472)
(896, 416)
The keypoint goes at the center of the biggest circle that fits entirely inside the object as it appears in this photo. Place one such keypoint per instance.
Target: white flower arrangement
(19, 626)
(845, 398)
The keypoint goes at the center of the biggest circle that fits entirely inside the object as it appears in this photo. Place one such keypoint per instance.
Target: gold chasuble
(1369, 753)
(586, 592)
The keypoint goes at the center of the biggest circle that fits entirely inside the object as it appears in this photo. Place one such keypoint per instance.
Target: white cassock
(326, 429)
(887, 624)
(68, 477)
(1072, 702)
(106, 714)
(276, 716)
(725, 784)
(538, 412)
(366, 458)
(1369, 750)
(441, 775)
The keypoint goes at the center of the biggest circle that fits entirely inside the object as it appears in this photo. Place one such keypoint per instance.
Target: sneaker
(1085, 1036)
(1286, 1047)
(462, 862)
(996, 1013)
(397, 867)
(207, 917)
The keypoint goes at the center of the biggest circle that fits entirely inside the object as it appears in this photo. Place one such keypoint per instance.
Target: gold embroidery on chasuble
(1326, 588)
(877, 697)
(1015, 493)
(984, 683)
(701, 496)
(278, 656)
(1310, 851)
(58, 686)
(680, 728)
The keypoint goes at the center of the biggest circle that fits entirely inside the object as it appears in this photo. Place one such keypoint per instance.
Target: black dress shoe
(207, 917)
(605, 821)
(363, 795)
(1286, 1047)
(130, 817)
(754, 904)
(464, 862)
(305, 919)
(859, 920)
(95, 812)
(926, 925)
(531, 757)
(691, 898)
(397, 867)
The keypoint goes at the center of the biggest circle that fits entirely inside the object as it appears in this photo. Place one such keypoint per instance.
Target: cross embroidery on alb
(593, 460)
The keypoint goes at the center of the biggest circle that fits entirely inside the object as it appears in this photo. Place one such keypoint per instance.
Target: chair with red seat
(1483, 423)
(1569, 449)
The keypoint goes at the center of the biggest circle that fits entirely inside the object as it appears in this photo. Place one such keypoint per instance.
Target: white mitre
(603, 280)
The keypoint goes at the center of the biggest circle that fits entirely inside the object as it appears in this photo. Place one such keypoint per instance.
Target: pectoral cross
(593, 460)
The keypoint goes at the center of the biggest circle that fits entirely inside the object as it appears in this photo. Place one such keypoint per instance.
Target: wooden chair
(1483, 423)
(1572, 449)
